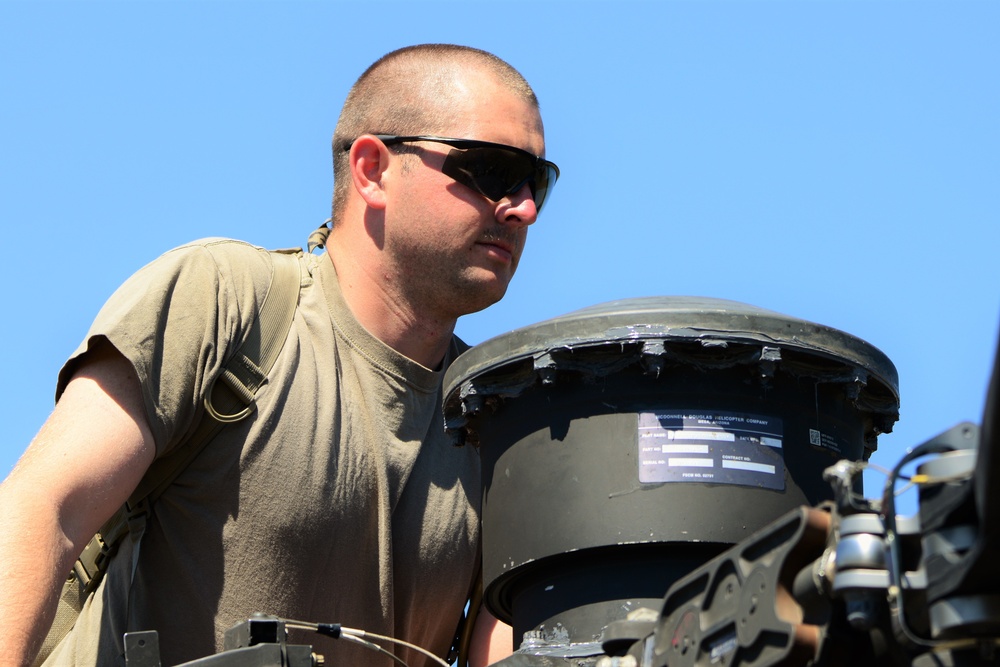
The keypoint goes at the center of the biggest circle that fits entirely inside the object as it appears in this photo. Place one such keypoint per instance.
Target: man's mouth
(498, 251)
(506, 247)
(502, 240)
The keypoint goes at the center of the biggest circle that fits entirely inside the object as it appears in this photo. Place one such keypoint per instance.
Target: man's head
(437, 177)
(410, 91)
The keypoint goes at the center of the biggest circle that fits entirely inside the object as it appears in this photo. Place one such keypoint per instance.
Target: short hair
(406, 92)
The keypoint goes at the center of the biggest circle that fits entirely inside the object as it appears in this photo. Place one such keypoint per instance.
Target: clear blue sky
(835, 161)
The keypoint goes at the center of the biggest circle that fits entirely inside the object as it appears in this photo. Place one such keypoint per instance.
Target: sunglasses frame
(542, 169)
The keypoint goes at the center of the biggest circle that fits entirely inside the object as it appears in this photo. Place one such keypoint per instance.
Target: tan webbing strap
(70, 604)
(318, 238)
(242, 377)
(231, 399)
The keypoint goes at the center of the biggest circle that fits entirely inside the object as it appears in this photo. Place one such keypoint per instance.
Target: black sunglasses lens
(545, 176)
(492, 172)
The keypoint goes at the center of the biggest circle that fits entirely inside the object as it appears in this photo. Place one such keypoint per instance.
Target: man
(339, 499)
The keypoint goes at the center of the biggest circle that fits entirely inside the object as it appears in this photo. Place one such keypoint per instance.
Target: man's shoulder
(225, 252)
(232, 260)
(208, 275)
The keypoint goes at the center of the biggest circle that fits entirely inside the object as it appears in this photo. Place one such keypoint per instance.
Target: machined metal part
(738, 608)
(256, 642)
(142, 649)
(973, 615)
(626, 444)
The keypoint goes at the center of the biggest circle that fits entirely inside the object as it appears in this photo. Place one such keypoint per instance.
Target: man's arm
(491, 640)
(84, 463)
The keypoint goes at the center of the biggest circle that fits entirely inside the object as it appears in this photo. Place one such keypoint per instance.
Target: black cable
(888, 514)
(337, 631)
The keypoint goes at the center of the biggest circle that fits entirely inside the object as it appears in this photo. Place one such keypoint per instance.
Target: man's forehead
(484, 108)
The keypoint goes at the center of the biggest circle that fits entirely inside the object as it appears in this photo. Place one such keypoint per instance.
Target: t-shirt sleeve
(175, 321)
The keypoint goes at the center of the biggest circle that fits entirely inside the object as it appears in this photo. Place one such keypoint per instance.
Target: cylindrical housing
(625, 444)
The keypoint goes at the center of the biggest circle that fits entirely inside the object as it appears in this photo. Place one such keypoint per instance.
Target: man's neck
(385, 314)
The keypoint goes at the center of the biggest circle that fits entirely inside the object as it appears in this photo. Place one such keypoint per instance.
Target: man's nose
(519, 208)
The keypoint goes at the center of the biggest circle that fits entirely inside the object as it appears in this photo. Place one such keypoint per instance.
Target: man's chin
(484, 293)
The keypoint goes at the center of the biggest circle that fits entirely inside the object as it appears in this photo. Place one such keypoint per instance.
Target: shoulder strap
(228, 401)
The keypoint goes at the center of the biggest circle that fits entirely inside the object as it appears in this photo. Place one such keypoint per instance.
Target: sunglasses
(493, 170)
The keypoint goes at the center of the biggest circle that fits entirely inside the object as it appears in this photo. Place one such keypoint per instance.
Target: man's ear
(368, 159)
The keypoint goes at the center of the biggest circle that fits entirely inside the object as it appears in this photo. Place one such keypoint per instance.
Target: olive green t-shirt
(339, 500)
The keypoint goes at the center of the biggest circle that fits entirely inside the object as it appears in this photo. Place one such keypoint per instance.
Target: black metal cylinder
(625, 444)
